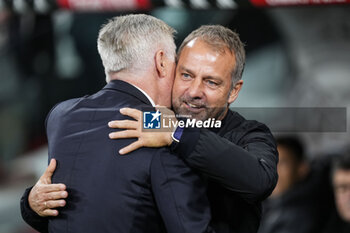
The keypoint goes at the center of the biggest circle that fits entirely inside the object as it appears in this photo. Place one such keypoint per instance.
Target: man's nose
(196, 89)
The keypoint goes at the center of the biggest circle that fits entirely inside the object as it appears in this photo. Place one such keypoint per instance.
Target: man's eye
(186, 76)
(212, 83)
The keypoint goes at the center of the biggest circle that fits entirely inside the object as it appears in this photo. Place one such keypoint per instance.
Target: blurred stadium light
(45, 6)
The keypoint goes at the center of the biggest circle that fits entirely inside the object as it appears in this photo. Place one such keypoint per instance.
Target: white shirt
(148, 97)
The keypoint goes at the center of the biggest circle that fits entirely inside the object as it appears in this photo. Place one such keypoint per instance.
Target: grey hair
(130, 41)
(220, 37)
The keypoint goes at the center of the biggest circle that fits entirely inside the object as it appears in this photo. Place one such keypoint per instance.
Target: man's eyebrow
(187, 70)
(182, 68)
(213, 77)
(216, 78)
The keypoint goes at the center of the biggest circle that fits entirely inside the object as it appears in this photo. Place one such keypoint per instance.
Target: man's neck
(145, 93)
(144, 82)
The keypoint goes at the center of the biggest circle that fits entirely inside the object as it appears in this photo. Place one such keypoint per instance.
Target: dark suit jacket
(148, 191)
(240, 161)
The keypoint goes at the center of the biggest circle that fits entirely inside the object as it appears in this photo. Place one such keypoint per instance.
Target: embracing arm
(30, 217)
(38, 202)
(242, 160)
(249, 169)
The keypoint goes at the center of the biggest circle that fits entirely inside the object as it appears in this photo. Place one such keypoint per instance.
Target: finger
(49, 171)
(165, 110)
(159, 107)
(47, 188)
(133, 146)
(55, 204)
(56, 195)
(162, 108)
(131, 112)
(124, 134)
(123, 124)
(49, 212)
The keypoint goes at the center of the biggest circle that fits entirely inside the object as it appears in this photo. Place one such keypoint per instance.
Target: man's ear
(161, 64)
(234, 92)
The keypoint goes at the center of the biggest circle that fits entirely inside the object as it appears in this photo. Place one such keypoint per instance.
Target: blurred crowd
(45, 59)
(311, 195)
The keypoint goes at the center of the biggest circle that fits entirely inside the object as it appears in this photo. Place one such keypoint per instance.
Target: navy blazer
(149, 190)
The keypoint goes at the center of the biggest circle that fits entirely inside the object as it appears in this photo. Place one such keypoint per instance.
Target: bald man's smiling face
(202, 86)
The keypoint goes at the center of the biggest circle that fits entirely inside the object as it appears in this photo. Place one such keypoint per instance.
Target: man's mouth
(194, 107)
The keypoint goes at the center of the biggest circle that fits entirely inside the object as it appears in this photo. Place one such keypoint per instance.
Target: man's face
(287, 170)
(341, 183)
(202, 86)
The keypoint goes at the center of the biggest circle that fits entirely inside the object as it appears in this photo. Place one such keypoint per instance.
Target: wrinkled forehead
(214, 45)
(202, 48)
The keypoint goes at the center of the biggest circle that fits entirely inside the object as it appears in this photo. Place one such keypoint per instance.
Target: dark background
(296, 57)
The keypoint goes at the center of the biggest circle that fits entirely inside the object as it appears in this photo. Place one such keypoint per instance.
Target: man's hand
(152, 138)
(45, 196)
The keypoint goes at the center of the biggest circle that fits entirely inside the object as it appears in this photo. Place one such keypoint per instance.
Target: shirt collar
(148, 97)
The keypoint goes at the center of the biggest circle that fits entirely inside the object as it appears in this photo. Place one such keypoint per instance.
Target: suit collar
(125, 87)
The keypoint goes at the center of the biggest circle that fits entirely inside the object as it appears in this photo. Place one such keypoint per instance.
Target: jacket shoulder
(61, 106)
